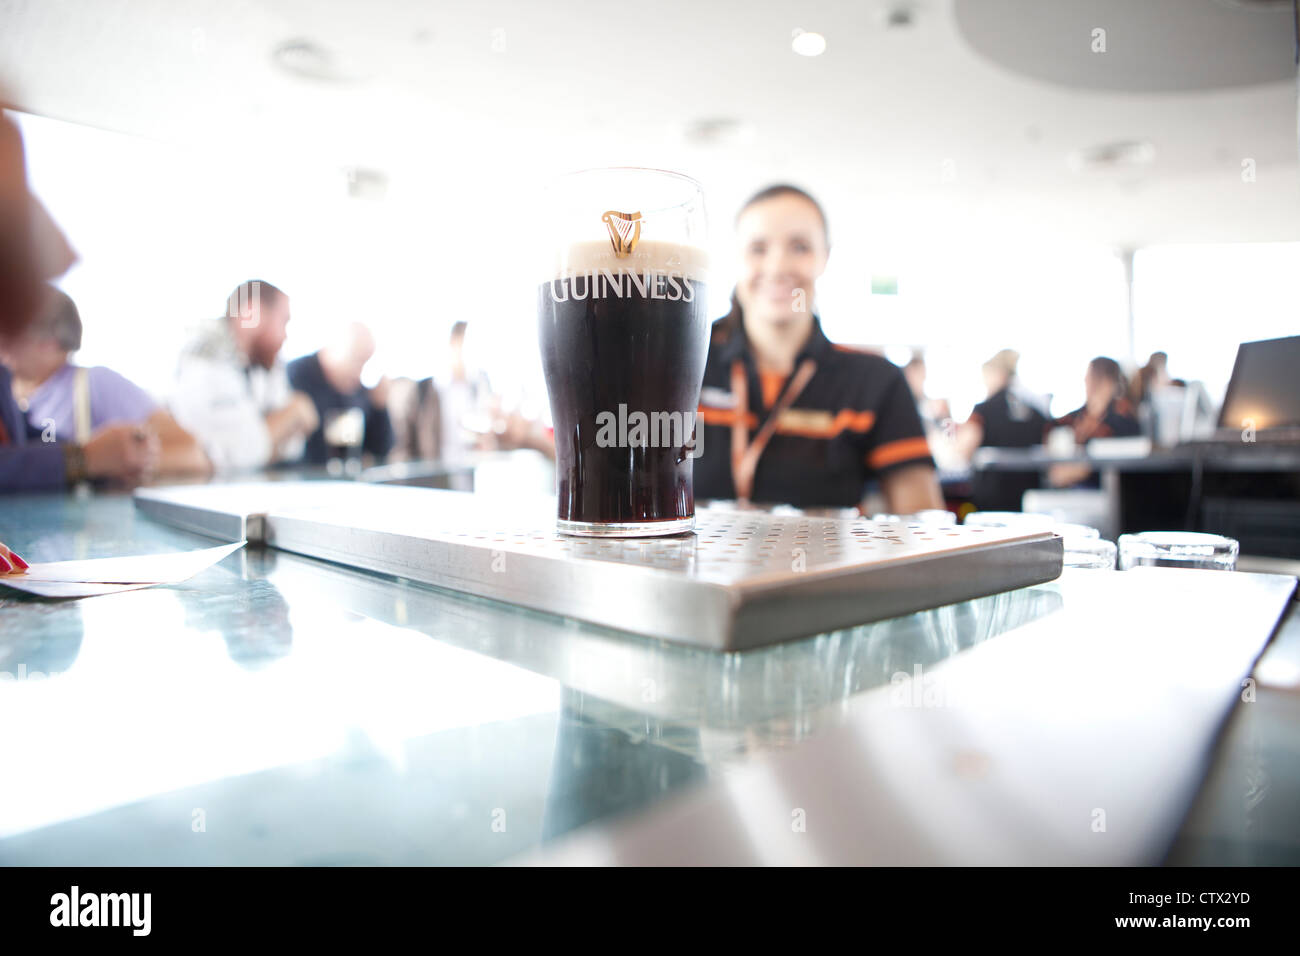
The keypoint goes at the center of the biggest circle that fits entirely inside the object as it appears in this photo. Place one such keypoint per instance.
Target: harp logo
(624, 231)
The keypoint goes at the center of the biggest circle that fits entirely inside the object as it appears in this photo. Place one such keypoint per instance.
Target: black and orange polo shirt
(1118, 421)
(855, 419)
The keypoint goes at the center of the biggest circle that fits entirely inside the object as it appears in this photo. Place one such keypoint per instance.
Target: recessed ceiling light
(718, 131)
(309, 60)
(364, 183)
(1124, 154)
(808, 44)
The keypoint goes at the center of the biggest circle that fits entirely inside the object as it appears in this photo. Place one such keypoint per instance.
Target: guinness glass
(623, 322)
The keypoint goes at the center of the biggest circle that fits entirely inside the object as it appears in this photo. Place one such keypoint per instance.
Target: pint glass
(623, 325)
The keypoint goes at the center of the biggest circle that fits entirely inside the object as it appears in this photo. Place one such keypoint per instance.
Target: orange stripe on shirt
(890, 453)
(845, 420)
(724, 416)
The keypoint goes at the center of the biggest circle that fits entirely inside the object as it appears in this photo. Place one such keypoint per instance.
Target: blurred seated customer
(33, 251)
(63, 400)
(352, 416)
(232, 391)
(1106, 413)
(788, 416)
(1153, 375)
(416, 417)
(465, 400)
(936, 416)
(934, 412)
(1010, 417)
(1158, 400)
(472, 415)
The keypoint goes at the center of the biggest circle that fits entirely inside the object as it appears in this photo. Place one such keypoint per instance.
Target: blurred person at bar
(1152, 377)
(416, 416)
(1010, 417)
(351, 415)
(33, 251)
(464, 400)
(934, 411)
(473, 417)
(936, 416)
(788, 417)
(1106, 413)
(62, 399)
(232, 391)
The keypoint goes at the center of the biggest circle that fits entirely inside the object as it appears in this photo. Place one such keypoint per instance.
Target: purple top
(113, 398)
(25, 465)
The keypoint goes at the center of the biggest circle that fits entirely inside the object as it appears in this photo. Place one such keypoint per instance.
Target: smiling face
(783, 253)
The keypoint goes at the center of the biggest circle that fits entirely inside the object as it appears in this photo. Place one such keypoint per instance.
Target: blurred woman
(32, 250)
(64, 401)
(788, 417)
(1009, 417)
(1106, 413)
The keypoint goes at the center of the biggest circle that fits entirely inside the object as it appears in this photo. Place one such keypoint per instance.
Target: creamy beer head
(649, 256)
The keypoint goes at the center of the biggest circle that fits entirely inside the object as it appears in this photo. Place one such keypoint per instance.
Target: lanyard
(744, 453)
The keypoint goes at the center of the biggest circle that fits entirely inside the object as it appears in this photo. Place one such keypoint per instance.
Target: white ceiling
(962, 124)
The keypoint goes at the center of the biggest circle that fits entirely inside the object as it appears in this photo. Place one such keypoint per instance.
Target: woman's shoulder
(862, 361)
(103, 375)
(107, 382)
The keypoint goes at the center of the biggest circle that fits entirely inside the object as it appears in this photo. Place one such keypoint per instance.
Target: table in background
(1248, 493)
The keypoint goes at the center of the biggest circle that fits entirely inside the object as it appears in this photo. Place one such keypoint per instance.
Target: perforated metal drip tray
(744, 579)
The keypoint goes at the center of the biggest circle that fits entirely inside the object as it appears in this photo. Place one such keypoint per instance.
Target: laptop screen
(1265, 385)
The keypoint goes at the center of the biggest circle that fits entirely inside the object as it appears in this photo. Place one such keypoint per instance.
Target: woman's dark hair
(1109, 369)
(60, 321)
(734, 319)
(785, 189)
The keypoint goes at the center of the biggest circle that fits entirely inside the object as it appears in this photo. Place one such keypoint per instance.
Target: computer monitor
(1264, 389)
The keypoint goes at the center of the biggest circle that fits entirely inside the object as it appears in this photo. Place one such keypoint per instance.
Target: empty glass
(1092, 553)
(1027, 520)
(1177, 549)
(1068, 531)
(933, 517)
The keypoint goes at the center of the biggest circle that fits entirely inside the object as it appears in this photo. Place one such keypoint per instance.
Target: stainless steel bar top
(279, 709)
(741, 580)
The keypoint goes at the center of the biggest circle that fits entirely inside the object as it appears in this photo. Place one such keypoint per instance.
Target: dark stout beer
(623, 345)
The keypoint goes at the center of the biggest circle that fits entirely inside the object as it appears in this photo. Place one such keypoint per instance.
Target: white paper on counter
(66, 589)
(108, 575)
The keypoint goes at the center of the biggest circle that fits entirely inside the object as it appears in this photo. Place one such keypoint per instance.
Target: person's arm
(911, 489)
(121, 454)
(899, 454)
(970, 435)
(180, 453)
(297, 419)
(1066, 474)
(380, 436)
(33, 467)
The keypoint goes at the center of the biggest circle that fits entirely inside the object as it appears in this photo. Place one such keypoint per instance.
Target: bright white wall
(1199, 302)
(164, 234)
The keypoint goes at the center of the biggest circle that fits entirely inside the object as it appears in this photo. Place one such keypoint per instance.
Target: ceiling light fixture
(808, 44)
(309, 60)
(1125, 154)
